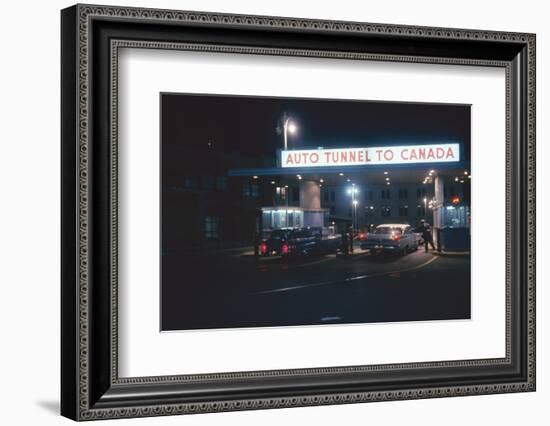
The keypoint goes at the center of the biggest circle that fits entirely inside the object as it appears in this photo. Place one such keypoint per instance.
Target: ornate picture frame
(91, 38)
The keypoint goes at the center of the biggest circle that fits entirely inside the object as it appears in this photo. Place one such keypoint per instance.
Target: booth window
(403, 193)
(211, 227)
(385, 194)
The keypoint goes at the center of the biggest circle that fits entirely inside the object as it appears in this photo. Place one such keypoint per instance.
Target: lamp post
(352, 191)
(288, 127)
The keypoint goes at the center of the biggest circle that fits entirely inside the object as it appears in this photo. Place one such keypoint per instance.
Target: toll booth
(271, 218)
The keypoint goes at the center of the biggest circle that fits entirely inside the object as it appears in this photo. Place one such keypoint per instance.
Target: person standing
(427, 235)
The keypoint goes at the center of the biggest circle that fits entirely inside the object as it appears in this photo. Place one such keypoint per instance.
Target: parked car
(291, 242)
(391, 238)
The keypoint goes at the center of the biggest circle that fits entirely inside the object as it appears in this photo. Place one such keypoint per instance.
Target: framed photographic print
(264, 212)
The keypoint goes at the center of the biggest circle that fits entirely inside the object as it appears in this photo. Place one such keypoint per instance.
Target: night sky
(248, 124)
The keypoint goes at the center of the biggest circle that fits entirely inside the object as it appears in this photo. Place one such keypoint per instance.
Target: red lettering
(430, 154)
(388, 155)
(421, 154)
(352, 156)
(367, 159)
(361, 156)
(450, 153)
(289, 159)
(379, 154)
(404, 153)
(314, 158)
(440, 153)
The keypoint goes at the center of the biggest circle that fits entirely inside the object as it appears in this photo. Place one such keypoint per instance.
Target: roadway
(236, 289)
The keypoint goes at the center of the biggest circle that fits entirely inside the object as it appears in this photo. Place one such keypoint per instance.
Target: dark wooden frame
(90, 386)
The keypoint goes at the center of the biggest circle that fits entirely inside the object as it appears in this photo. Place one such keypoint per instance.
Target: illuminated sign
(388, 155)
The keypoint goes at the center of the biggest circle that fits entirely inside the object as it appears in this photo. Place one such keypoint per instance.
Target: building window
(385, 194)
(325, 196)
(368, 196)
(250, 189)
(403, 211)
(295, 193)
(420, 211)
(403, 193)
(332, 196)
(221, 183)
(211, 227)
(332, 210)
(208, 183)
(189, 183)
(420, 192)
(369, 211)
(385, 211)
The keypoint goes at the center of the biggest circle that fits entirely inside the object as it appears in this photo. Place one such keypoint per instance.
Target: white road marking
(349, 279)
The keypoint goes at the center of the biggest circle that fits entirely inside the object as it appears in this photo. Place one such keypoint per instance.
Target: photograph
(280, 211)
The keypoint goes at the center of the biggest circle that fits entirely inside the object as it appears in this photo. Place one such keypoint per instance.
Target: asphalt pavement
(236, 289)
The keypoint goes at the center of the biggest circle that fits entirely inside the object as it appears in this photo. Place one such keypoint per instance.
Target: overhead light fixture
(254, 177)
(341, 174)
(385, 173)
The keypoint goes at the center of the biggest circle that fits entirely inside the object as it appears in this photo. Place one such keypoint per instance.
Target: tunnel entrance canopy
(418, 173)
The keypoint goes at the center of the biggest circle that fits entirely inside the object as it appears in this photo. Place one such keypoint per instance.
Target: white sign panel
(407, 154)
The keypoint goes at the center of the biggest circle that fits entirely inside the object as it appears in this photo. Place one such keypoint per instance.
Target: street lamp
(352, 191)
(288, 126)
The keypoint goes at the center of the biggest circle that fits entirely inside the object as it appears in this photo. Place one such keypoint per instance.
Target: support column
(439, 199)
(310, 201)
(310, 195)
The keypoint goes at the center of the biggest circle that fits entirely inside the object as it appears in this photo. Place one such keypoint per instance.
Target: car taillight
(362, 236)
(284, 249)
(396, 237)
(263, 248)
